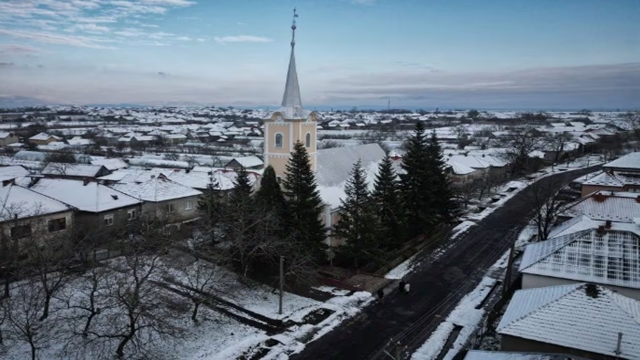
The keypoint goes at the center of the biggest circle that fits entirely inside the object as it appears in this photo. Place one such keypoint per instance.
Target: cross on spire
(293, 27)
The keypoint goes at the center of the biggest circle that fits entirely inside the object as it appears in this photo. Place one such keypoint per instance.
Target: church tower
(291, 122)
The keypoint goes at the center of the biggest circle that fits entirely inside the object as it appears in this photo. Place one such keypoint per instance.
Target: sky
(500, 54)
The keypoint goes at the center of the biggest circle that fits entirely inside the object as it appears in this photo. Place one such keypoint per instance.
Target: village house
(43, 139)
(163, 198)
(99, 209)
(74, 171)
(247, 162)
(12, 172)
(622, 174)
(584, 320)
(603, 255)
(7, 138)
(111, 164)
(616, 206)
(27, 214)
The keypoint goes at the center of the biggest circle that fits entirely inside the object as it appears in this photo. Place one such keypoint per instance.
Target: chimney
(638, 199)
(601, 230)
(8, 182)
(591, 290)
(607, 224)
(85, 181)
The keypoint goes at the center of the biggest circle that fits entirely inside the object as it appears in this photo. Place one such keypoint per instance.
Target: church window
(307, 140)
(278, 140)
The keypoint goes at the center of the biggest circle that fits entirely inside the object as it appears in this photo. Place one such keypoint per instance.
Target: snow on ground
(403, 269)
(465, 314)
(461, 228)
(525, 236)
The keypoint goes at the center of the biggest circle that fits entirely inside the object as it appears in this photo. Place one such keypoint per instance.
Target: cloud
(162, 73)
(364, 2)
(183, 38)
(9, 49)
(242, 38)
(3, 64)
(47, 20)
(241, 24)
(51, 38)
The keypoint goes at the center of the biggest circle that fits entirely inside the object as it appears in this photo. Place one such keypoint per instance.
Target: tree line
(284, 218)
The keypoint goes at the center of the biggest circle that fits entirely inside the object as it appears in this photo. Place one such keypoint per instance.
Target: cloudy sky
(539, 54)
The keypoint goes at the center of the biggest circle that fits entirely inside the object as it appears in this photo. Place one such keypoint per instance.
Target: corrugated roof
(603, 205)
(567, 316)
(629, 161)
(156, 189)
(610, 259)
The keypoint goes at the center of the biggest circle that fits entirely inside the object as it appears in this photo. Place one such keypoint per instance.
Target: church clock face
(278, 117)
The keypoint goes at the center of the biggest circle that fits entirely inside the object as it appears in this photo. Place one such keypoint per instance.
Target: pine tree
(387, 201)
(209, 206)
(443, 201)
(271, 199)
(357, 223)
(416, 184)
(241, 186)
(304, 203)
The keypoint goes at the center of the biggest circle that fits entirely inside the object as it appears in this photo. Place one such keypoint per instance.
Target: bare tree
(89, 297)
(22, 314)
(465, 191)
(558, 144)
(546, 203)
(519, 145)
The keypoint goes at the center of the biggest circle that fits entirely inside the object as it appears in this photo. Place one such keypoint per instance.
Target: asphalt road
(436, 287)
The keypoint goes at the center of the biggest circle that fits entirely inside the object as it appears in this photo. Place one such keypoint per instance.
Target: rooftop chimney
(591, 290)
(607, 224)
(8, 182)
(601, 230)
(85, 181)
(638, 199)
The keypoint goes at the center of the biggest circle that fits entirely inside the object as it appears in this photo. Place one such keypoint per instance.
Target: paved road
(436, 287)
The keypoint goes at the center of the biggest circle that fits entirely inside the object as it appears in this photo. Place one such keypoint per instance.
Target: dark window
(278, 140)
(308, 140)
(170, 208)
(21, 231)
(57, 224)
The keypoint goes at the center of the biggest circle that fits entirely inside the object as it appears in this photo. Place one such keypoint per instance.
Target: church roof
(291, 101)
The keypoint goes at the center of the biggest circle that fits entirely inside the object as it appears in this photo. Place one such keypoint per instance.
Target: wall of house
(94, 222)
(42, 142)
(588, 189)
(9, 140)
(531, 281)
(181, 212)
(516, 344)
(40, 225)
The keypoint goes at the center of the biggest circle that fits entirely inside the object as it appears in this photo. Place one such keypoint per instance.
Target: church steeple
(291, 98)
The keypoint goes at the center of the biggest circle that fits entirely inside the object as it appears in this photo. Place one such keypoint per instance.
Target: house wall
(9, 140)
(180, 212)
(94, 222)
(588, 189)
(39, 225)
(516, 344)
(42, 142)
(530, 281)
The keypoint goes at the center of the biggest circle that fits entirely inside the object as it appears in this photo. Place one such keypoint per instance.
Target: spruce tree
(304, 203)
(241, 186)
(209, 206)
(270, 199)
(442, 194)
(387, 201)
(416, 184)
(357, 224)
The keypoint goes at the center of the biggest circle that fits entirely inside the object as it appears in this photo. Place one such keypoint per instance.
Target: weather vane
(293, 27)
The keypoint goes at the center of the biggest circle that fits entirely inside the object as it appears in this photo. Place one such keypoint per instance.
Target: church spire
(291, 96)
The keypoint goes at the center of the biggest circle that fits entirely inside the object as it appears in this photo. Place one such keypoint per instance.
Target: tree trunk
(7, 294)
(196, 305)
(33, 350)
(88, 324)
(121, 346)
(45, 312)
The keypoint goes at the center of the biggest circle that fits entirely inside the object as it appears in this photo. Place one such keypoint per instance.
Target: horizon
(470, 55)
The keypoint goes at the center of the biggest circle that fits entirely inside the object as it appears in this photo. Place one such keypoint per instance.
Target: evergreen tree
(357, 225)
(304, 203)
(270, 199)
(443, 201)
(416, 184)
(386, 199)
(209, 205)
(241, 186)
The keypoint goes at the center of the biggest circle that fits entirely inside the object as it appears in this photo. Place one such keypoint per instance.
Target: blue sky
(424, 53)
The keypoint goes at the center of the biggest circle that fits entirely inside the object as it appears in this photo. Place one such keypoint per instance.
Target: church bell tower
(291, 122)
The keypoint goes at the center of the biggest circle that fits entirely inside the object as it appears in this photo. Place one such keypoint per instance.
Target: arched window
(278, 140)
(307, 140)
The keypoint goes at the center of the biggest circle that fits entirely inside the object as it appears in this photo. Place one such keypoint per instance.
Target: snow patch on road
(461, 228)
(403, 269)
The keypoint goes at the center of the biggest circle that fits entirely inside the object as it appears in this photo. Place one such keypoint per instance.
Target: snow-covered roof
(156, 189)
(334, 167)
(78, 141)
(249, 161)
(629, 161)
(587, 255)
(12, 172)
(569, 316)
(4, 134)
(79, 170)
(607, 205)
(474, 162)
(111, 164)
(613, 179)
(90, 197)
(458, 168)
(43, 136)
(23, 203)
(500, 355)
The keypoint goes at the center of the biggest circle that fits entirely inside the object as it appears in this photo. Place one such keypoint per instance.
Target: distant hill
(15, 101)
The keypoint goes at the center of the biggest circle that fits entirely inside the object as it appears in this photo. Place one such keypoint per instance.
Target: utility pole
(281, 283)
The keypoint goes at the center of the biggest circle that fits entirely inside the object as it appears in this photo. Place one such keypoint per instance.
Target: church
(292, 123)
